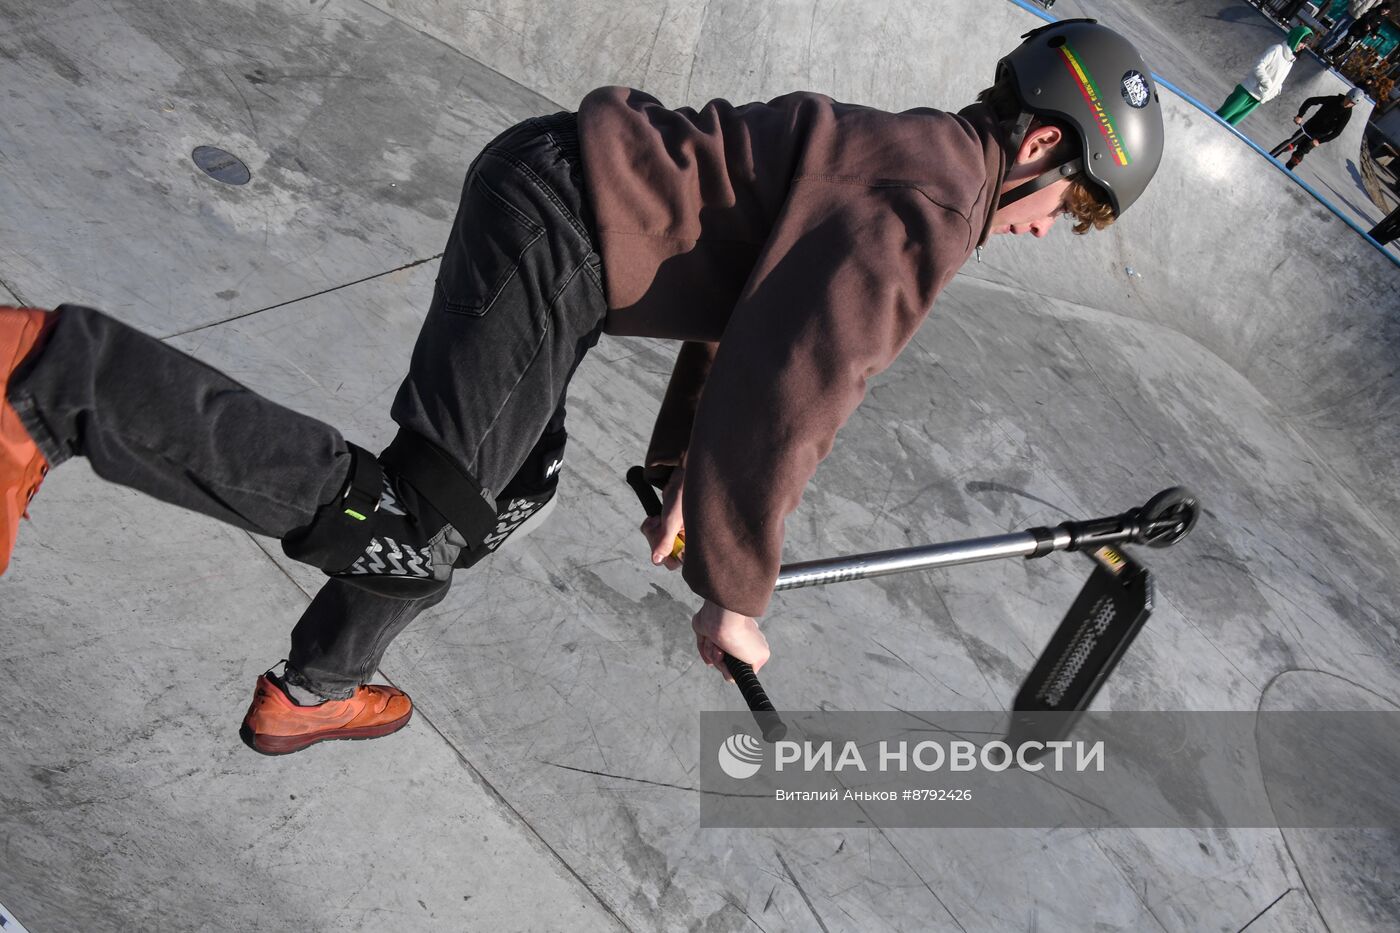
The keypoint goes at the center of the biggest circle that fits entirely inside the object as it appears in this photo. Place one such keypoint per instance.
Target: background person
(1266, 81)
(1355, 9)
(1332, 117)
(1365, 27)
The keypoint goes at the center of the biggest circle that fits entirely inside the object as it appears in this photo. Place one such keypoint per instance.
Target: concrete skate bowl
(1326, 859)
(1248, 354)
(1232, 333)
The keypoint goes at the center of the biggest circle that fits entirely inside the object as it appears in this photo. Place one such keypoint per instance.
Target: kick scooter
(1102, 622)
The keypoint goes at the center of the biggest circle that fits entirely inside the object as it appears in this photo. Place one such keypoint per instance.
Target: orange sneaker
(22, 467)
(276, 725)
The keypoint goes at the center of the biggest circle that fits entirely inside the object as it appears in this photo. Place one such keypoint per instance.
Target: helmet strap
(1043, 180)
(1019, 130)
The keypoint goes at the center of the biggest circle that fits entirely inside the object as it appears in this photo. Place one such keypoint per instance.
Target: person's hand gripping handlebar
(662, 527)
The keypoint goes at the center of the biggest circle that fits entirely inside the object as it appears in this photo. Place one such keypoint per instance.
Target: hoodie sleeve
(1311, 102)
(843, 283)
(671, 435)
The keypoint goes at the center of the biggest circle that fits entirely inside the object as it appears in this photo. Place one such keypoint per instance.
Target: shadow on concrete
(1365, 215)
(1248, 16)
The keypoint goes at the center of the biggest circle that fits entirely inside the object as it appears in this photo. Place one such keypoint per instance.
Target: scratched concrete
(548, 782)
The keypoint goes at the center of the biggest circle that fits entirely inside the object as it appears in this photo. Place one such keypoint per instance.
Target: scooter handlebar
(745, 679)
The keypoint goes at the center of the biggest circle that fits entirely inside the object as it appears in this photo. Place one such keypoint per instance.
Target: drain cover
(221, 166)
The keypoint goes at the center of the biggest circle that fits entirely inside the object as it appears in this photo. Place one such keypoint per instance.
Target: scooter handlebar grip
(772, 726)
(764, 714)
(651, 502)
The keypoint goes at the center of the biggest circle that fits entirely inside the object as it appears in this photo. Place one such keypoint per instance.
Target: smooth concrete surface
(127, 801)
(548, 781)
(104, 103)
(893, 55)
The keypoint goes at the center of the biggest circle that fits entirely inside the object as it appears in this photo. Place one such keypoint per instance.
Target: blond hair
(1085, 202)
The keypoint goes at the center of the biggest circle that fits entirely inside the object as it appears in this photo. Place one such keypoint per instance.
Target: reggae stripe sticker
(1096, 104)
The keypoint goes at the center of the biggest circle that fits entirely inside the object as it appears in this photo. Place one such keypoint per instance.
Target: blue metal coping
(1045, 15)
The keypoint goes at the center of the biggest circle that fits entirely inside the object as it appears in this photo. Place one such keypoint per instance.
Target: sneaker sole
(286, 744)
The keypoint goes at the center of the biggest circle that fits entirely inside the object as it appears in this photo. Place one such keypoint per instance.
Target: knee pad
(384, 532)
(340, 529)
(541, 468)
(378, 534)
(525, 502)
(437, 479)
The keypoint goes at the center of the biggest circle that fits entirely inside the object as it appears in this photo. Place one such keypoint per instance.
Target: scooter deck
(1106, 616)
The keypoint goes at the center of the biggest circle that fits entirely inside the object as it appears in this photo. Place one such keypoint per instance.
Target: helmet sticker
(1091, 94)
(1135, 89)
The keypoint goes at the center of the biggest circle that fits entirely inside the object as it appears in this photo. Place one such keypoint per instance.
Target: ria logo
(741, 756)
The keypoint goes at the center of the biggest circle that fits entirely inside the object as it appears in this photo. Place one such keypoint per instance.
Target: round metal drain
(221, 166)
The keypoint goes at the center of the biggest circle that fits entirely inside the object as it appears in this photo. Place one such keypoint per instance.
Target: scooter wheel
(1169, 516)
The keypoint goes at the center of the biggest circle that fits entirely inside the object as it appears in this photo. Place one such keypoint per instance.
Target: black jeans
(518, 302)
(1300, 138)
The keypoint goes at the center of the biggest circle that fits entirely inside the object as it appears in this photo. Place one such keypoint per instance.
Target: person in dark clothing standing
(1370, 23)
(793, 246)
(1366, 25)
(1355, 12)
(1333, 114)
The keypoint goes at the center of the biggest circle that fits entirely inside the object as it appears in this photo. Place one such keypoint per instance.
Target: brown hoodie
(805, 238)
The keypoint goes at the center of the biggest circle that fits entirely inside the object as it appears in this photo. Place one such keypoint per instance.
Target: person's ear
(1038, 143)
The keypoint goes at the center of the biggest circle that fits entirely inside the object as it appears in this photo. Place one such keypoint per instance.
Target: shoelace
(33, 490)
(383, 700)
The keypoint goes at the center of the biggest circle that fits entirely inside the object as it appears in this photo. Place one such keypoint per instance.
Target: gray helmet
(1090, 77)
(1356, 95)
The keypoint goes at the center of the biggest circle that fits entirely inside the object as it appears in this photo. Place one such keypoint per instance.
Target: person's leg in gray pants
(518, 302)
